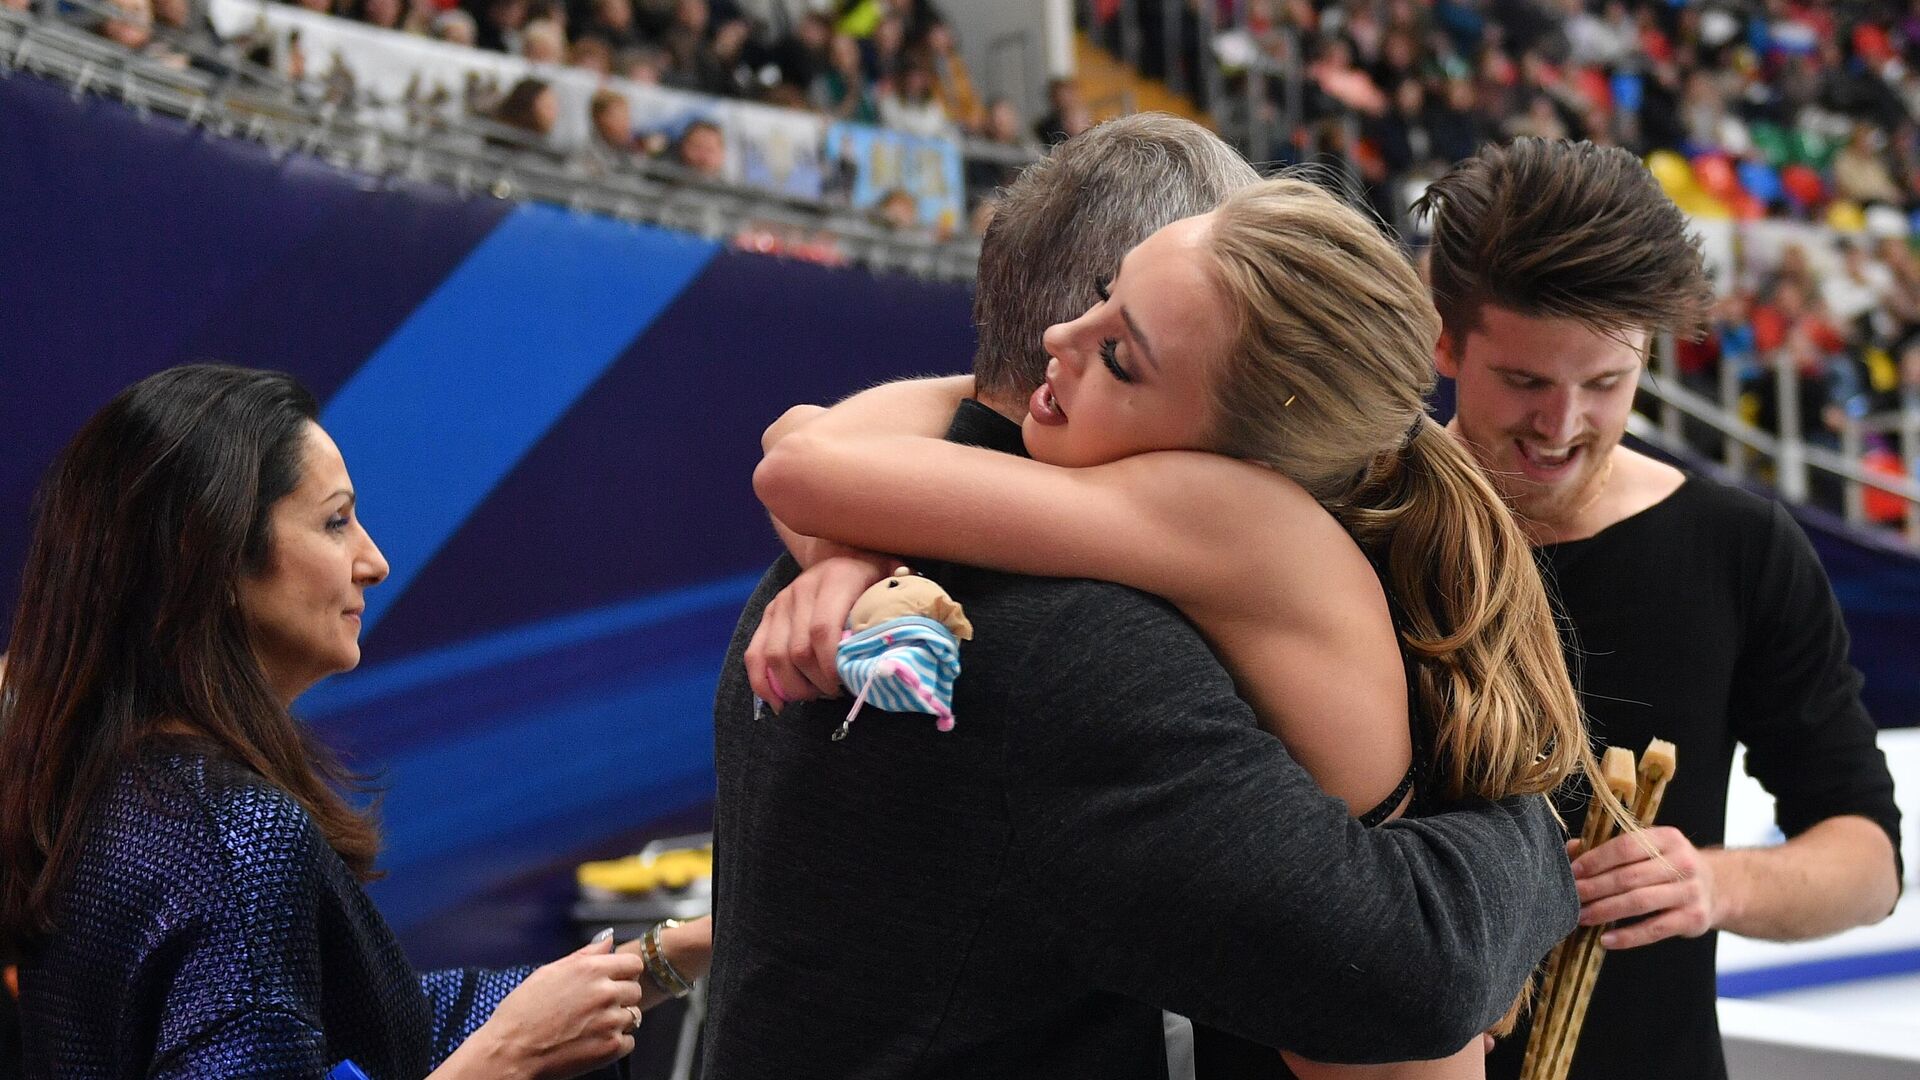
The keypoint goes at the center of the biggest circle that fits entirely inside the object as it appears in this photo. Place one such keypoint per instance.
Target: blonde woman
(1239, 427)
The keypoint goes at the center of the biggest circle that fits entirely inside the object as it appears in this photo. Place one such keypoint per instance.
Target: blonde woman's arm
(810, 551)
(868, 473)
(924, 409)
(1248, 555)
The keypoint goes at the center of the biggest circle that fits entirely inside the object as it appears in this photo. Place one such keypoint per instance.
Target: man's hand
(1621, 880)
(791, 656)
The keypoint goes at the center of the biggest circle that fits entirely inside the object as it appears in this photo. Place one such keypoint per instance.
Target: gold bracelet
(658, 966)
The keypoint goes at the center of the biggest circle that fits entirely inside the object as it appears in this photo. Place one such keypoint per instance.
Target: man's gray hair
(1065, 223)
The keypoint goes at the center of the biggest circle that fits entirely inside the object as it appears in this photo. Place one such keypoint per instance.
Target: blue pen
(347, 1070)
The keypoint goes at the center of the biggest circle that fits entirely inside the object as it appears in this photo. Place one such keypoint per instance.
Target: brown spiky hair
(1550, 228)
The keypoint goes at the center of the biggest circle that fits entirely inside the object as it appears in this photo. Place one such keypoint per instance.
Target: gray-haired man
(1109, 833)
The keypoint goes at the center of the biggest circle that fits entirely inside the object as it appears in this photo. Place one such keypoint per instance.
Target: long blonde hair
(1326, 383)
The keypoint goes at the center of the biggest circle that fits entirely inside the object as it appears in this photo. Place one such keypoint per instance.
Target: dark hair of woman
(517, 110)
(129, 622)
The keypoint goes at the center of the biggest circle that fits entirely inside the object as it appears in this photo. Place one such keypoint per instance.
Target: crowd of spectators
(891, 63)
(1748, 110)
(1745, 109)
(153, 28)
(1397, 89)
(1842, 319)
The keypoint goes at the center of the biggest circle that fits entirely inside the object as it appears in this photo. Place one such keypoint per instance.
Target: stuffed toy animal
(901, 650)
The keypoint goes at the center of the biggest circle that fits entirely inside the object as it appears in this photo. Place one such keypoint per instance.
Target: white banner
(398, 76)
(389, 70)
(775, 149)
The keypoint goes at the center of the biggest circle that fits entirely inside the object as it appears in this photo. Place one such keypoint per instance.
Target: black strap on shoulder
(1392, 802)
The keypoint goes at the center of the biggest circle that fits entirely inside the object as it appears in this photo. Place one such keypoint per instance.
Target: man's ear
(1446, 360)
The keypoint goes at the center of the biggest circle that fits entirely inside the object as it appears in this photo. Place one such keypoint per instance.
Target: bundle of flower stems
(1575, 964)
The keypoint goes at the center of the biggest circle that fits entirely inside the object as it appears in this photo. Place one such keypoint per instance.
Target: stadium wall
(551, 420)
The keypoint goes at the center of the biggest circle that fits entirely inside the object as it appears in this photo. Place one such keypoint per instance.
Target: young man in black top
(1698, 613)
(1107, 833)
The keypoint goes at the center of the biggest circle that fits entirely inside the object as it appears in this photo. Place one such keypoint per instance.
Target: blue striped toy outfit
(906, 664)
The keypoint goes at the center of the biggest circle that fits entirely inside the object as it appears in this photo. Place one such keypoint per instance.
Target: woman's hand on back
(575, 1014)
(791, 656)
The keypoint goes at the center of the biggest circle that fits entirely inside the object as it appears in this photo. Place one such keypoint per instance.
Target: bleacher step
(1111, 88)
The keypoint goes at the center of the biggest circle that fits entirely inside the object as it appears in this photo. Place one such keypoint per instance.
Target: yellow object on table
(635, 875)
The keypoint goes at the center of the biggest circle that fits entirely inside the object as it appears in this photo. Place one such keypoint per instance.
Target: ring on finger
(634, 1011)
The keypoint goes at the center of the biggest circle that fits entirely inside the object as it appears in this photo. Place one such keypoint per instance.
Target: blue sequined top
(209, 931)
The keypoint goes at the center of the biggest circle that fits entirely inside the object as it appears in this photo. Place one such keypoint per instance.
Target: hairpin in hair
(1413, 431)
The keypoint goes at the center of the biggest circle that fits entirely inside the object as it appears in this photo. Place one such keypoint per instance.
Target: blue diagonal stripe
(554, 776)
(552, 764)
(446, 408)
(475, 655)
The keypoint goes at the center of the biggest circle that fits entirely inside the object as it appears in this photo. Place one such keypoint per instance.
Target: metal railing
(1257, 99)
(1796, 465)
(1011, 65)
(1274, 130)
(1168, 40)
(224, 93)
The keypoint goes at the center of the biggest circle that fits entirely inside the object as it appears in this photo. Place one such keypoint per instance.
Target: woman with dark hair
(530, 106)
(180, 875)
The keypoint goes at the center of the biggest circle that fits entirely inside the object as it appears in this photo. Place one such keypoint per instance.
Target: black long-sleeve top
(1107, 832)
(1706, 620)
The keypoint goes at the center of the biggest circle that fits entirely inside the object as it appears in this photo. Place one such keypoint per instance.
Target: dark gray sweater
(1106, 833)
